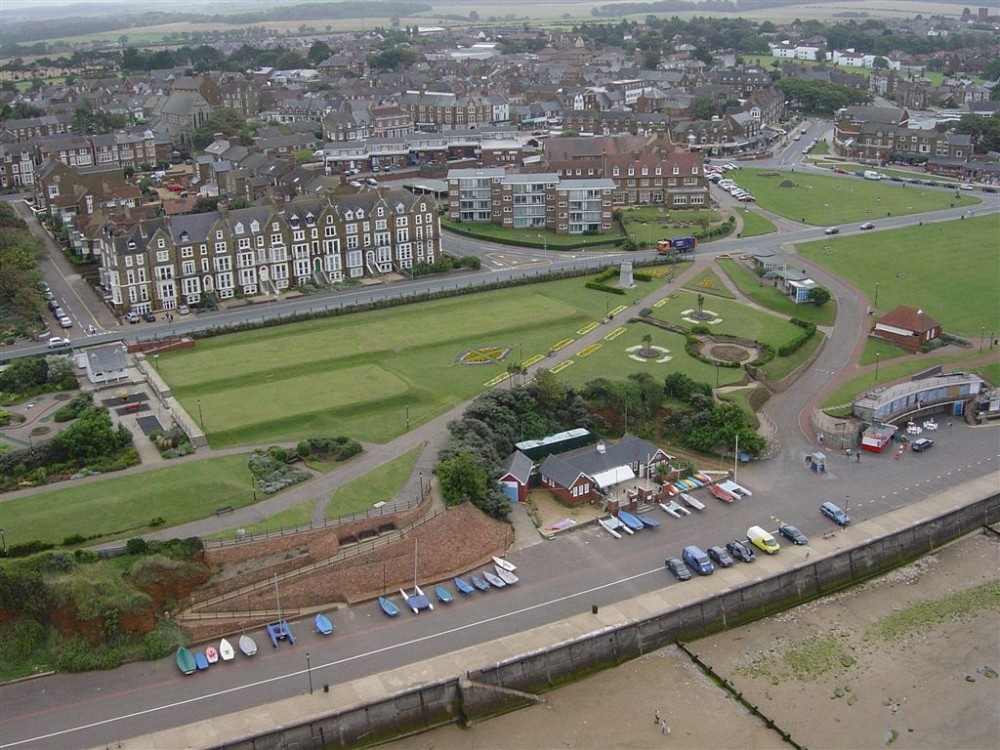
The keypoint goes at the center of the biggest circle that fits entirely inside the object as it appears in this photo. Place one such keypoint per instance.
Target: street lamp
(253, 485)
(201, 418)
(310, 673)
(877, 355)
(407, 416)
(545, 242)
(3, 542)
(156, 361)
(875, 301)
(982, 334)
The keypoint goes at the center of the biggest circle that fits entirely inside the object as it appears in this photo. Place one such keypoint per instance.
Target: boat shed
(557, 443)
(515, 476)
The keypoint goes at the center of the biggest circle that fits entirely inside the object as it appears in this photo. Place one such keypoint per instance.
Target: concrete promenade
(302, 709)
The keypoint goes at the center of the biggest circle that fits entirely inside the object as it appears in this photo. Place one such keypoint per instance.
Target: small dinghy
(501, 562)
(200, 661)
(185, 661)
(506, 576)
(226, 652)
(479, 583)
(248, 645)
(211, 654)
(463, 586)
(444, 595)
(493, 580)
(323, 625)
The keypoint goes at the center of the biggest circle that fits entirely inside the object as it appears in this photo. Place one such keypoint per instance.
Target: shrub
(73, 540)
(808, 330)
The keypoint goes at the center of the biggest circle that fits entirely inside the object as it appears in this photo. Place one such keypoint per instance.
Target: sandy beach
(909, 660)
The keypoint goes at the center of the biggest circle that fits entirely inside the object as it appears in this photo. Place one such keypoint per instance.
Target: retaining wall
(493, 690)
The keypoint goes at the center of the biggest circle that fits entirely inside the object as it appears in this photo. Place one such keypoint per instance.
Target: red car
(838, 170)
(174, 187)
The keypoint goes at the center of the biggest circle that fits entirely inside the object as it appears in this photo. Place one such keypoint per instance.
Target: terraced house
(163, 263)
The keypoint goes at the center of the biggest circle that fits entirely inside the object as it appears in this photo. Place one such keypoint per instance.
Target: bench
(135, 406)
(223, 510)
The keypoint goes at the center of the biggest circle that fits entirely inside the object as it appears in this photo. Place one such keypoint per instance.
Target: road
(559, 578)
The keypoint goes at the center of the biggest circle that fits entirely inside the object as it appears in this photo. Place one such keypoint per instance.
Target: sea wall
(506, 685)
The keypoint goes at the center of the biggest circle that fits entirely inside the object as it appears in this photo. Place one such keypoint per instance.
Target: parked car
(762, 540)
(53, 303)
(149, 317)
(990, 189)
(133, 317)
(792, 534)
(965, 186)
(57, 342)
(676, 566)
(183, 310)
(835, 514)
(921, 444)
(839, 170)
(66, 322)
(866, 226)
(720, 557)
(831, 230)
(740, 551)
(697, 560)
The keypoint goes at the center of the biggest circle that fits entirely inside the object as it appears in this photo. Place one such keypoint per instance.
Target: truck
(677, 244)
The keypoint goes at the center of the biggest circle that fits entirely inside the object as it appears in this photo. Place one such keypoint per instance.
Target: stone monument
(625, 280)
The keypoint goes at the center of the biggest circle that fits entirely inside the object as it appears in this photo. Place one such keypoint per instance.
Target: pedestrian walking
(664, 729)
(857, 457)
(820, 438)
(808, 552)
(950, 425)
(656, 717)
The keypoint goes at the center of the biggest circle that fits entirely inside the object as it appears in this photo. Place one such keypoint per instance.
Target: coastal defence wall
(508, 685)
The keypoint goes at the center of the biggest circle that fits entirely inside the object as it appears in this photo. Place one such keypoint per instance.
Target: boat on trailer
(463, 586)
(630, 520)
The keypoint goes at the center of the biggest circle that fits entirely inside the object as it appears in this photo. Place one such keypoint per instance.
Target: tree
(821, 55)
(461, 479)
(819, 296)
(318, 52)
(225, 120)
(701, 302)
(703, 109)
(473, 15)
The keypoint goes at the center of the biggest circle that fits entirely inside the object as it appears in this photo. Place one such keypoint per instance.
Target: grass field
(754, 224)
(380, 485)
(949, 270)
(532, 237)
(708, 282)
(123, 507)
(735, 318)
(826, 200)
(291, 518)
(357, 374)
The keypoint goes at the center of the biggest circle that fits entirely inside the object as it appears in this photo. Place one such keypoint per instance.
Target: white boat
(669, 508)
(226, 652)
(248, 645)
(617, 525)
(610, 529)
(506, 576)
(494, 581)
(692, 501)
(502, 562)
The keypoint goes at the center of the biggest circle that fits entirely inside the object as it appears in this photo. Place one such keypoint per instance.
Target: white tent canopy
(614, 476)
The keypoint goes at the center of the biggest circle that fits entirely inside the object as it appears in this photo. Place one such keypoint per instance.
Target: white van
(871, 174)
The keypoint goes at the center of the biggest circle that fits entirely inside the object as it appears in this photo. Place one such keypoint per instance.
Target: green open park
(947, 269)
(833, 200)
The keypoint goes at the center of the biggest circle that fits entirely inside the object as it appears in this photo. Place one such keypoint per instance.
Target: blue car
(835, 514)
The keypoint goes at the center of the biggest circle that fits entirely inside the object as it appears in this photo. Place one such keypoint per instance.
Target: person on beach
(656, 717)
(664, 729)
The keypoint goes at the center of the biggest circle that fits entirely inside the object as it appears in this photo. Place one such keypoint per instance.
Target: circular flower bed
(483, 356)
(650, 353)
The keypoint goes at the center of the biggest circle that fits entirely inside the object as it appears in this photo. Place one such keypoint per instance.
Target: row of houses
(163, 263)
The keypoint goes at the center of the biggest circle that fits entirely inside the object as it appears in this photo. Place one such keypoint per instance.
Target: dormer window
(615, 172)
(645, 170)
(184, 236)
(694, 169)
(631, 171)
(349, 216)
(218, 234)
(310, 220)
(238, 229)
(400, 209)
(676, 169)
(254, 226)
(360, 213)
(659, 170)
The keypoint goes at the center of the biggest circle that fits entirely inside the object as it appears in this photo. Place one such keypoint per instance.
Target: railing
(373, 512)
(248, 614)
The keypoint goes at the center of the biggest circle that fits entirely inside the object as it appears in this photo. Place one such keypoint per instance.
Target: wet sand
(819, 672)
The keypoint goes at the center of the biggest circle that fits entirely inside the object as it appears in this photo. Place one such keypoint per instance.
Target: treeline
(821, 96)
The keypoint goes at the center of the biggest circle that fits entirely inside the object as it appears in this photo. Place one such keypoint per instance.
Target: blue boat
(629, 520)
(650, 522)
(387, 606)
(463, 586)
(323, 624)
(479, 583)
(279, 631)
(200, 660)
(443, 595)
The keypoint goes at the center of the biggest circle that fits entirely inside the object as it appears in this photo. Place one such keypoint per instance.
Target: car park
(740, 551)
(831, 230)
(921, 444)
(57, 342)
(66, 322)
(763, 540)
(792, 534)
(697, 560)
(866, 226)
(720, 557)
(835, 514)
(676, 566)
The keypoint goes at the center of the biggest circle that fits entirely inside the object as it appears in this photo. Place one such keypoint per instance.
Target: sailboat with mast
(279, 631)
(417, 601)
(384, 602)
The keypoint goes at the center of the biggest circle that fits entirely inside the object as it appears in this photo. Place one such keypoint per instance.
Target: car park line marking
(345, 660)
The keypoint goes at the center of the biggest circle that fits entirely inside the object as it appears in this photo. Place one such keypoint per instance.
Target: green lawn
(825, 200)
(380, 485)
(122, 507)
(735, 318)
(291, 518)
(357, 374)
(883, 349)
(949, 270)
(765, 294)
(538, 238)
(648, 225)
(708, 282)
(754, 224)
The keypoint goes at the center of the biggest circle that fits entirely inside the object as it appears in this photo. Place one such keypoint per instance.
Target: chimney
(223, 208)
(601, 447)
